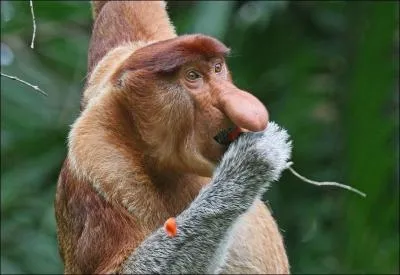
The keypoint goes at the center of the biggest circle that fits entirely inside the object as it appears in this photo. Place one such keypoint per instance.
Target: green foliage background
(326, 70)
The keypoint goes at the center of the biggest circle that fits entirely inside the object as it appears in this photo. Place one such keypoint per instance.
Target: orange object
(170, 227)
(232, 135)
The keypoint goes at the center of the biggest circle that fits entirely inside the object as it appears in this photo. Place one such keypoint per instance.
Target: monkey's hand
(251, 163)
(256, 158)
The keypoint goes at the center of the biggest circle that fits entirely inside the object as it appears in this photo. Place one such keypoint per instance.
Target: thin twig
(34, 23)
(324, 183)
(24, 82)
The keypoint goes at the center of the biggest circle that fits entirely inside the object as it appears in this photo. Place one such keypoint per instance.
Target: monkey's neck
(103, 151)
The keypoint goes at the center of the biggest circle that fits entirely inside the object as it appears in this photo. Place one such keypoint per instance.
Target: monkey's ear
(140, 81)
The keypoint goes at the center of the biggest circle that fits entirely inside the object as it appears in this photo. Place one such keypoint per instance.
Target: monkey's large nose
(244, 109)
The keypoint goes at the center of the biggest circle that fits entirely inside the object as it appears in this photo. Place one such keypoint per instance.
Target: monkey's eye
(192, 75)
(218, 67)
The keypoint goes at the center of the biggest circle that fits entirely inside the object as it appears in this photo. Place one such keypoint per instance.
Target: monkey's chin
(215, 152)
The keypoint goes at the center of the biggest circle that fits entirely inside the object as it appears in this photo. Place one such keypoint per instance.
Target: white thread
(323, 183)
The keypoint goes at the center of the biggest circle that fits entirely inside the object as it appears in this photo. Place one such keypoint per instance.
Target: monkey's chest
(255, 245)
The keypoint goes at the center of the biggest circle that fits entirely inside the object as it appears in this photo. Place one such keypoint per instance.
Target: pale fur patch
(163, 4)
(100, 78)
(99, 86)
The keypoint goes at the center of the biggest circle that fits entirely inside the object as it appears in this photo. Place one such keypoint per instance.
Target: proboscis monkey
(150, 144)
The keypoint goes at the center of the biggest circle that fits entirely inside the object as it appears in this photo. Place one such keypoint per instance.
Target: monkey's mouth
(227, 136)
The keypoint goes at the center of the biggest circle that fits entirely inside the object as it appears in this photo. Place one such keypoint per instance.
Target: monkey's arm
(246, 170)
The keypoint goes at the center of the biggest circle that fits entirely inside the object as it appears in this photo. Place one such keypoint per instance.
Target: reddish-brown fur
(94, 231)
(168, 55)
(143, 146)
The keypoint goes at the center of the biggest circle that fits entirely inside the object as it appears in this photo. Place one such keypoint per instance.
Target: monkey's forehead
(168, 55)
